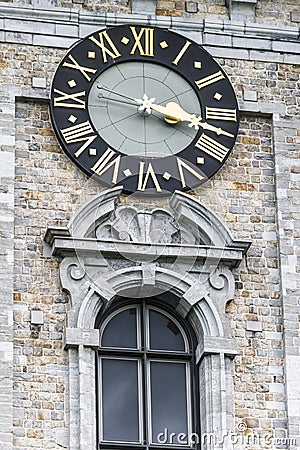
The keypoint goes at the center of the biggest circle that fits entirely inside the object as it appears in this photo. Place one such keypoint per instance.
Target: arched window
(146, 378)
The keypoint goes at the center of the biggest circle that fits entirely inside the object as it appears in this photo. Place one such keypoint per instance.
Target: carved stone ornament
(113, 250)
(183, 254)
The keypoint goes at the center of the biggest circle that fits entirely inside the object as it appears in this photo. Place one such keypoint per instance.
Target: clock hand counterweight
(117, 93)
(124, 102)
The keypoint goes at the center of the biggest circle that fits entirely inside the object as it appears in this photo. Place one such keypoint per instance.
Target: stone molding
(234, 38)
(103, 258)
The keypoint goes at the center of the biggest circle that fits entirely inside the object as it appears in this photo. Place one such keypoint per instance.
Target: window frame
(140, 406)
(146, 356)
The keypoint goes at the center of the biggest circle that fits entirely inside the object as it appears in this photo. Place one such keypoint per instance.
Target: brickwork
(212, 9)
(112, 6)
(276, 11)
(255, 194)
(282, 12)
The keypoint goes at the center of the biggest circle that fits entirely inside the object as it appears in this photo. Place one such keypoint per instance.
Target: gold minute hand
(172, 112)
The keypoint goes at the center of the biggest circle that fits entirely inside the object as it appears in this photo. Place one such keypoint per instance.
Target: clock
(144, 108)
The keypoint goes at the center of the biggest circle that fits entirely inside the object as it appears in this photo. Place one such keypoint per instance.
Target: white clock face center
(120, 122)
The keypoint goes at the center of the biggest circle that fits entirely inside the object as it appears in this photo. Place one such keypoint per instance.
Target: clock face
(143, 108)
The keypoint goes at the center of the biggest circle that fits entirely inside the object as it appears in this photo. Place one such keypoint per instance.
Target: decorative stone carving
(183, 252)
(114, 250)
(77, 271)
(129, 224)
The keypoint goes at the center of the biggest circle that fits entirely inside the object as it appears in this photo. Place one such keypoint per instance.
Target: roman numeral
(182, 165)
(220, 114)
(210, 79)
(104, 39)
(181, 53)
(105, 162)
(143, 177)
(212, 147)
(78, 133)
(147, 48)
(75, 65)
(64, 98)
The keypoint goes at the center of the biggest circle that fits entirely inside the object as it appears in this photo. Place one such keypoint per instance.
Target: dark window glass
(121, 330)
(164, 333)
(144, 389)
(120, 405)
(168, 398)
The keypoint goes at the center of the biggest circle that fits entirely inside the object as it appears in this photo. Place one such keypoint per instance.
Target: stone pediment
(183, 222)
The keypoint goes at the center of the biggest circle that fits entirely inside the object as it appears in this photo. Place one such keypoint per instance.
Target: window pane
(120, 404)
(121, 330)
(164, 333)
(168, 399)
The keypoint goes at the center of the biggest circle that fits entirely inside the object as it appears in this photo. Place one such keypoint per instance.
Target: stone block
(28, 26)
(283, 46)
(217, 39)
(225, 52)
(250, 95)
(52, 41)
(66, 30)
(143, 6)
(291, 59)
(37, 317)
(252, 325)
(191, 7)
(256, 55)
(295, 16)
(251, 43)
(18, 37)
(241, 9)
(78, 336)
(39, 82)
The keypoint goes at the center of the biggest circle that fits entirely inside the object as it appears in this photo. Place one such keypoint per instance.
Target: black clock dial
(144, 108)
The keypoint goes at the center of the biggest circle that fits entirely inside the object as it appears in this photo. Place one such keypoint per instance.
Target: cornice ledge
(96, 20)
(65, 246)
(34, 13)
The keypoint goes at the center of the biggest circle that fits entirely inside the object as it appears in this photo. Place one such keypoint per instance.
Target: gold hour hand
(172, 112)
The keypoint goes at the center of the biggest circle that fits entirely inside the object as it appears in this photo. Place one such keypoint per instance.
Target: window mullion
(144, 322)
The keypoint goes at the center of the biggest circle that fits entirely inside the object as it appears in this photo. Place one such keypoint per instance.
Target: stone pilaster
(286, 144)
(7, 142)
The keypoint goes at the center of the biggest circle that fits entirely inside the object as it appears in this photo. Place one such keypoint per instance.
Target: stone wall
(255, 194)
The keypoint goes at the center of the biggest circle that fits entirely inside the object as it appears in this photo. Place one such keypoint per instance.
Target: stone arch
(206, 322)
